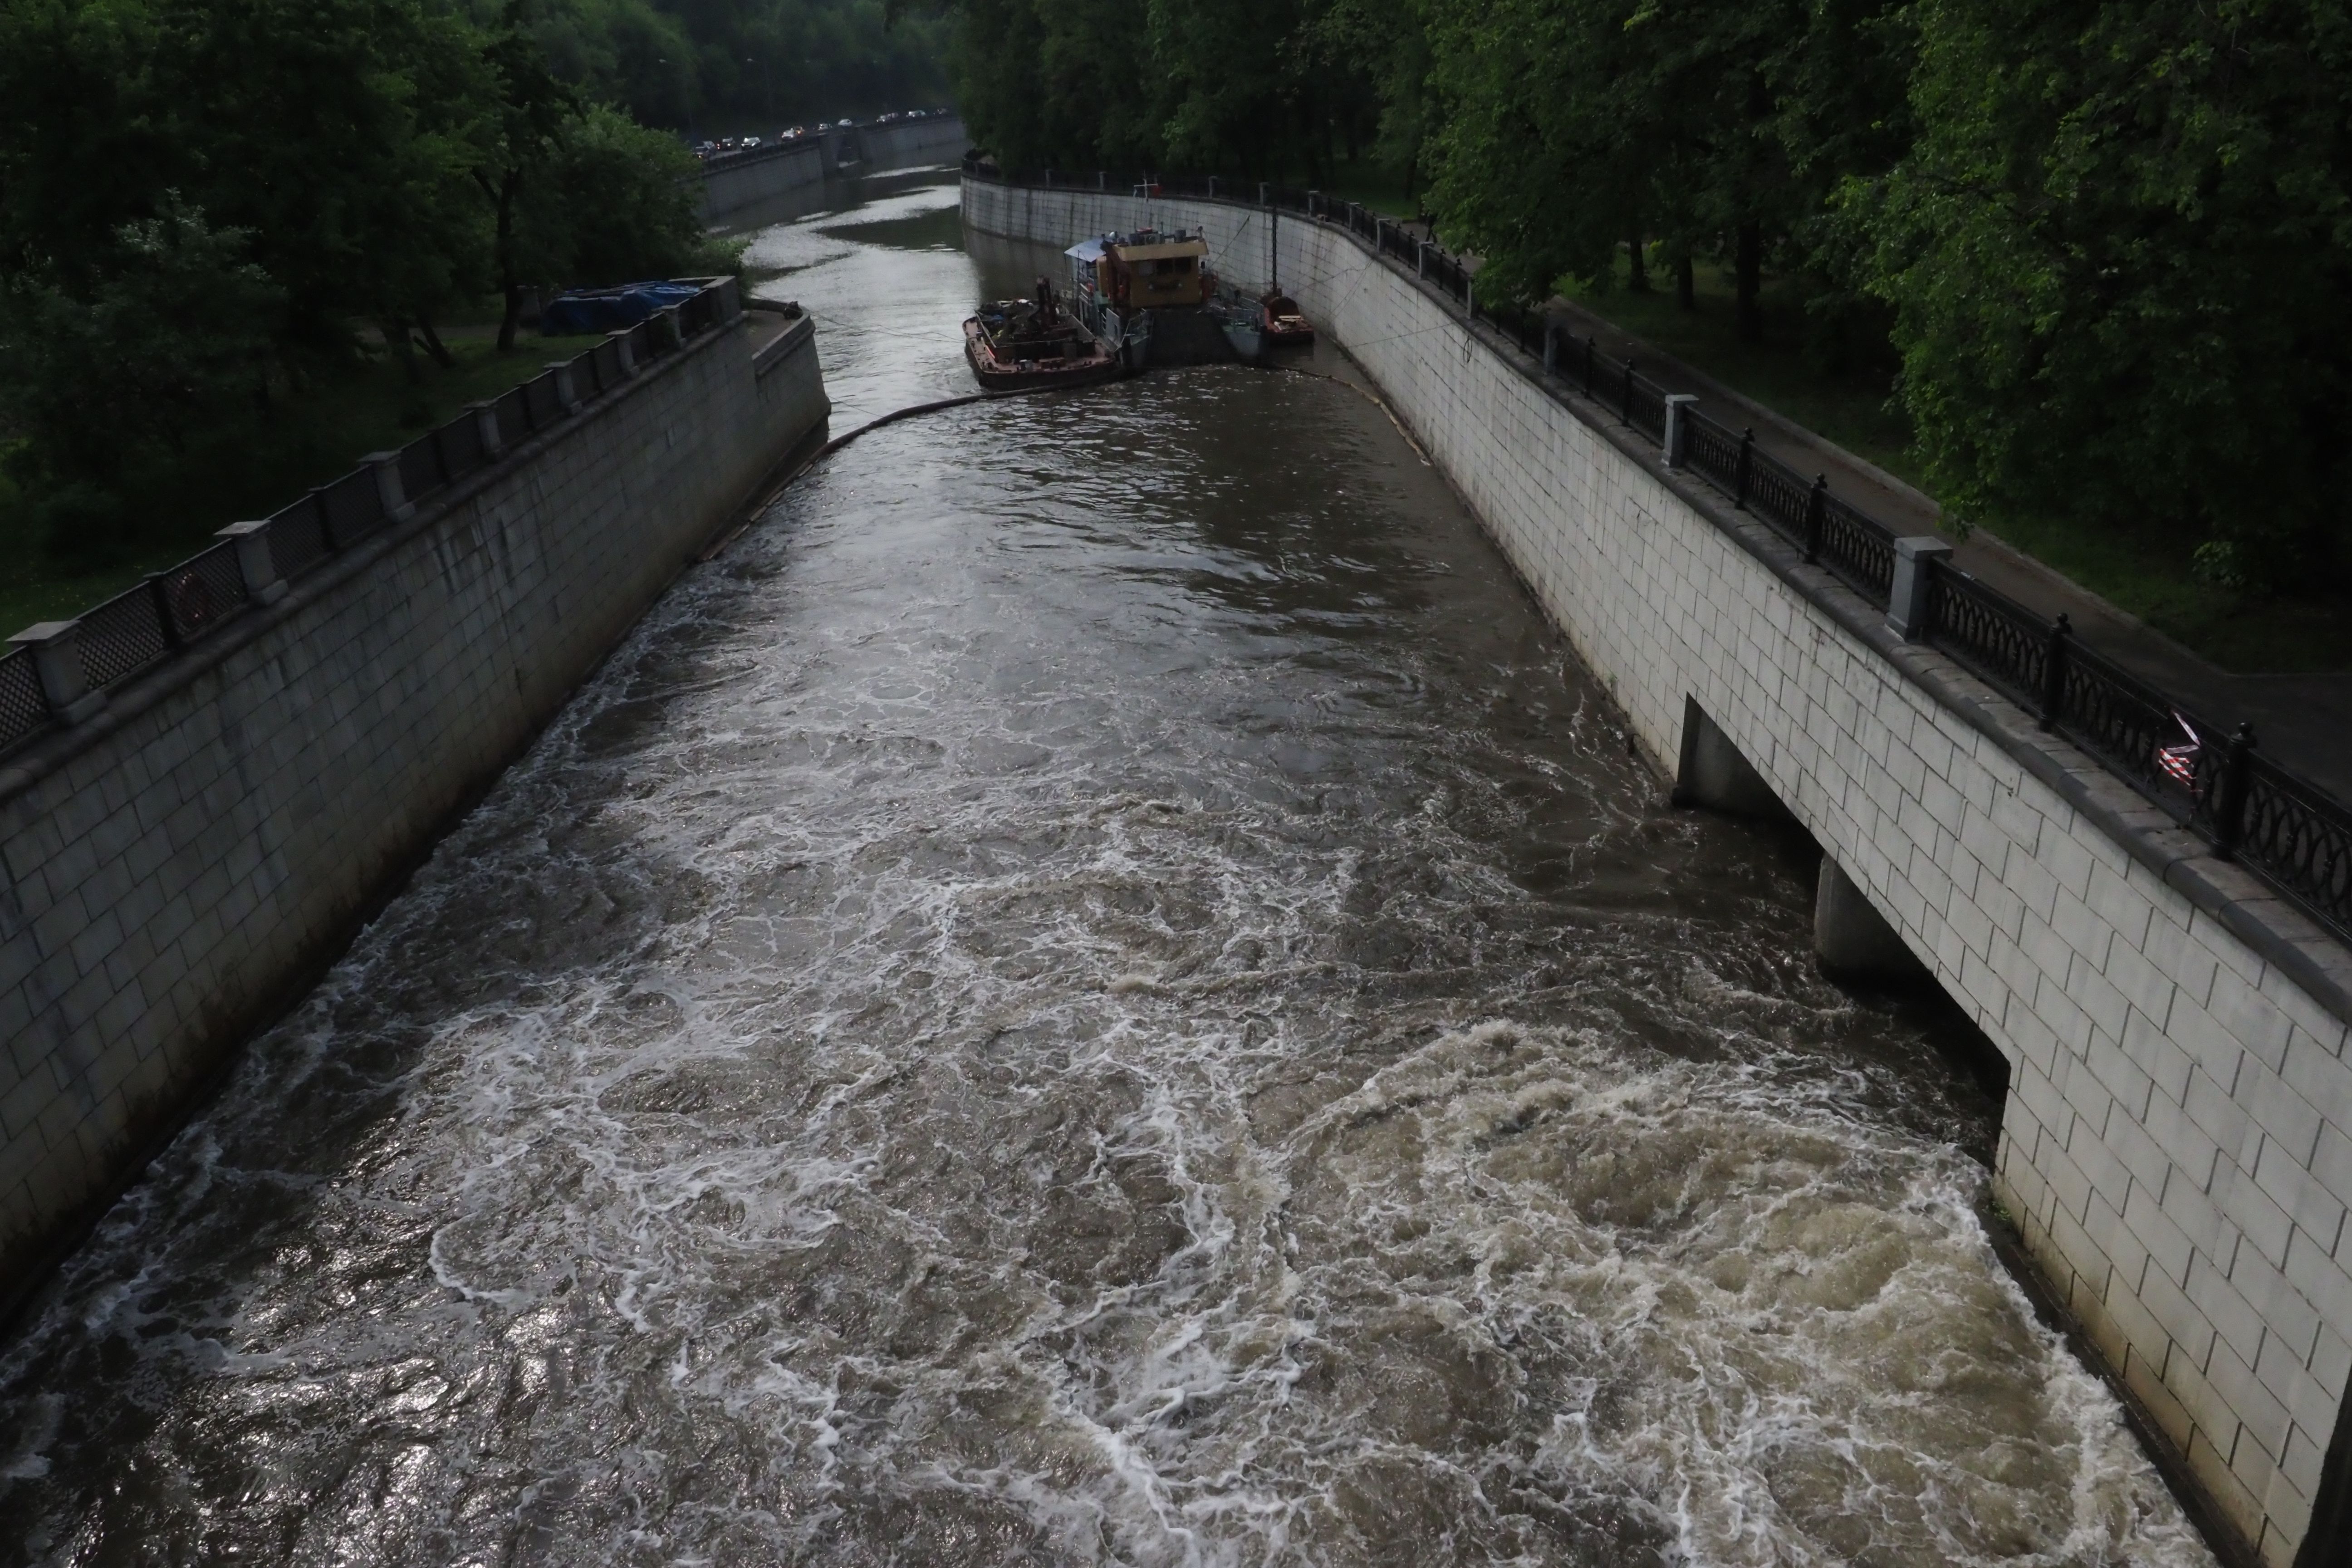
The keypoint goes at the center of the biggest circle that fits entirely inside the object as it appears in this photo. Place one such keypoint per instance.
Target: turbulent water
(1098, 989)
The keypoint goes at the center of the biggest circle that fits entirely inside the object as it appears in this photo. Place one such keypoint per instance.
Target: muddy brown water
(1101, 989)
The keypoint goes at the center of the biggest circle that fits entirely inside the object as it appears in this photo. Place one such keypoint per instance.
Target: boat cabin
(1146, 268)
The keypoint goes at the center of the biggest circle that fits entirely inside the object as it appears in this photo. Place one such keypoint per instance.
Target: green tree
(2120, 252)
(614, 202)
(128, 383)
(1714, 128)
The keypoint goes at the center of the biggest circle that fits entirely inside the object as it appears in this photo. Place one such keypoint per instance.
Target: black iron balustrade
(351, 508)
(1778, 494)
(1992, 635)
(1645, 407)
(1858, 548)
(204, 589)
(1713, 452)
(513, 413)
(543, 400)
(2126, 724)
(420, 469)
(2297, 838)
(297, 537)
(121, 637)
(175, 608)
(23, 712)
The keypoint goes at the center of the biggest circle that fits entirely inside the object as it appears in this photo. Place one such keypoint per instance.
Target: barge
(1021, 345)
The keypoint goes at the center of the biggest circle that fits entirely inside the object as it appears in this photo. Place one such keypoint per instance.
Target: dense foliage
(2121, 249)
(714, 66)
(2109, 241)
(207, 207)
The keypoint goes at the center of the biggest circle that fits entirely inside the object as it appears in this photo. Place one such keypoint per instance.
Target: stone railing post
(670, 329)
(486, 428)
(255, 564)
(57, 660)
(388, 491)
(1551, 347)
(1677, 441)
(1907, 604)
(625, 349)
(567, 393)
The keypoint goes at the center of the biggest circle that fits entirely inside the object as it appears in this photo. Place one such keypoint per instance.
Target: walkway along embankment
(205, 788)
(2174, 1146)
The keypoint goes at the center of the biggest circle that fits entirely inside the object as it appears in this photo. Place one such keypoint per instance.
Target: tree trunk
(1638, 278)
(441, 356)
(396, 338)
(509, 285)
(1685, 282)
(1750, 266)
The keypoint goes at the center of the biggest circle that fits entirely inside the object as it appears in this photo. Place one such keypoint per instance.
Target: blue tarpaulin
(609, 310)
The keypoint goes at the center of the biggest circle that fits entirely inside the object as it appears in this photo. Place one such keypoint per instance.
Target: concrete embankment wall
(174, 869)
(2174, 1145)
(743, 179)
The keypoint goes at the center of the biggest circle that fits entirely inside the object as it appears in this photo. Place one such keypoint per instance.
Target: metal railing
(174, 609)
(2291, 833)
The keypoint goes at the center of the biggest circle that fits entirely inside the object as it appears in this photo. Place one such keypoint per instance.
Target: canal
(1100, 988)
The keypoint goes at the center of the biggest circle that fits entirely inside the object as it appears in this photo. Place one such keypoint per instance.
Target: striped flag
(2179, 762)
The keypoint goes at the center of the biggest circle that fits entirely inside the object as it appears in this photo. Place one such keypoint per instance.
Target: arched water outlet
(1853, 941)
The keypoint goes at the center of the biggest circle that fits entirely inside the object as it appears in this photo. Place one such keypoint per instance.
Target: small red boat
(1284, 325)
(1018, 345)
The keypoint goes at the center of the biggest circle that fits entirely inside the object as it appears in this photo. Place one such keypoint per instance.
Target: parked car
(750, 142)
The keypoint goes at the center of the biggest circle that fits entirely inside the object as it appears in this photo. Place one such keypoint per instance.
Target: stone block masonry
(2176, 1142)
(174, 870)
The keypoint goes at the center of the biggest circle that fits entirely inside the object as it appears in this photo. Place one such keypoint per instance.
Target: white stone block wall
(2174, 1148)
(173, 873)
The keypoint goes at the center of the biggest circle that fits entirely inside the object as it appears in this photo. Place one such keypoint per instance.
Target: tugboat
(1153, 294)
(1285, 327)
(1018, 345)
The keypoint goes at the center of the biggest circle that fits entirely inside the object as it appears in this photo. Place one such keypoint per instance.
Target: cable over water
(1098, 989)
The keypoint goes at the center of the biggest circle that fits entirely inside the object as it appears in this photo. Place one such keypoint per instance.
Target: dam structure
(736, 185)
(210, 782)
(2175, 1146)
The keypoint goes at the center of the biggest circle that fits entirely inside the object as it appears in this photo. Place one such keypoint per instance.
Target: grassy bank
(311, 438)
(2147, 573)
